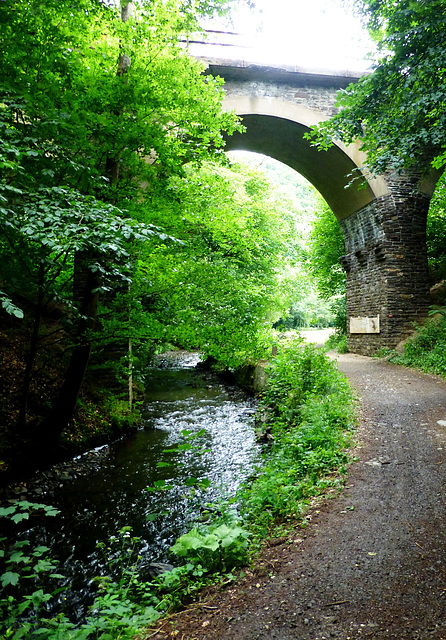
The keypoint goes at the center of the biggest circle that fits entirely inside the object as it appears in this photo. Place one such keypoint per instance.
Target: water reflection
(179, 398)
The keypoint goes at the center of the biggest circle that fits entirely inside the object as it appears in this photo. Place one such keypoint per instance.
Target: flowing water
(202, 433)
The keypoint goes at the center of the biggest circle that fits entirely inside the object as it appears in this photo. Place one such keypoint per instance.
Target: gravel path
(371, 563)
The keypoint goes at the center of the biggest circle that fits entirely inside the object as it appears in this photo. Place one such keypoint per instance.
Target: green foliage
(339, 310)
(325, 247)
(436, 233)
(126, 600)
(215, 548)
(122, 417)
(427, 349)
(398, 112)
(319, 244)
(310, 413)
(338, 342)
(47, 229)
(27, 576)
(222, 289)
(309, 311)
(436, 310)
(97, 113)
(9, 306)
(302, 194)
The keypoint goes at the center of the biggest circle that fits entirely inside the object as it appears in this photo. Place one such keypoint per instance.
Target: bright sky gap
(320, 34)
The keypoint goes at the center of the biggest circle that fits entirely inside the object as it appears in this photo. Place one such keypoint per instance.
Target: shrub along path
(371, 562)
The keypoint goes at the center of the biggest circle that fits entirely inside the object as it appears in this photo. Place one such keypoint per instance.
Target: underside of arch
(331, 171)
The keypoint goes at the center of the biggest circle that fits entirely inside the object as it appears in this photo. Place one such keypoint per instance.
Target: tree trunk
(32, 351)
(62, 411)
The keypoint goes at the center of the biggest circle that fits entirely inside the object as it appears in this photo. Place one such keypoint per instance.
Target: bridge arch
(277, 128)
(383, 220)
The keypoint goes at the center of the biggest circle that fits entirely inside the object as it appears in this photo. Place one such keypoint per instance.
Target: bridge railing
(220, 44)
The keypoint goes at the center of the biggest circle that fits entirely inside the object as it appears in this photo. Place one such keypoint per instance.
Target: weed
(427, 349)
(215, 548)
(311, 412)
(26, 577)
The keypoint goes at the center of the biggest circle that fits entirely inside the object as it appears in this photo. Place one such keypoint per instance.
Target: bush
(310, 410)
(337, 342)
(218, 548)
(427, 349)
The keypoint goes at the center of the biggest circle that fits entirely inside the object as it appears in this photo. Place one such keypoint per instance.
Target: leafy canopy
(97, 113)
(398, 112)
(231, 278)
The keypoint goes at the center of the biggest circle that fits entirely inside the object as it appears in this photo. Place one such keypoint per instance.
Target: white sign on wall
(364, 325)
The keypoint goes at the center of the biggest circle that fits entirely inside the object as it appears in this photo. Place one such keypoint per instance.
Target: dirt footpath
(371, 563)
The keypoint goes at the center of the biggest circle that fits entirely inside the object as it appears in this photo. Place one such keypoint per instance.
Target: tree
(398, 112)
(325, 247)
(222, 289)
(97, 112)
(436, 233)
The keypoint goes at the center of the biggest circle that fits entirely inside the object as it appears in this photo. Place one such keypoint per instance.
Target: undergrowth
(426, 350)
(310, 417)
(337, 341)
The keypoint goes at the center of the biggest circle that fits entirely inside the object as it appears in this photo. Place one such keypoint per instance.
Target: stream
(196, 446)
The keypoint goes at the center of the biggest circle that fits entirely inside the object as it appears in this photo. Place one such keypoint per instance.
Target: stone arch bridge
(383, 220)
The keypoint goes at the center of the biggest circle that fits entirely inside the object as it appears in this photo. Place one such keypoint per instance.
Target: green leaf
(18, 517)
(9, 578)
(151, 517)
(40, 550)
(186, 542)
(18, 556)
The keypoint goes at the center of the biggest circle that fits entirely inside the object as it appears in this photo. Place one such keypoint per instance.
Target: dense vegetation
(123, 226)
(398, 111)
(310, 418)
(426, 350)
(319, 281)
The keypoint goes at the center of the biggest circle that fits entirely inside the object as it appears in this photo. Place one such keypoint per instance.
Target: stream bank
(370, 562)
(196, 445)
(43, 483)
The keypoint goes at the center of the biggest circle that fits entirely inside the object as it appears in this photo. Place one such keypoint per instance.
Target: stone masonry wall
(386, 264)
(386, 256)
(315, 98)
